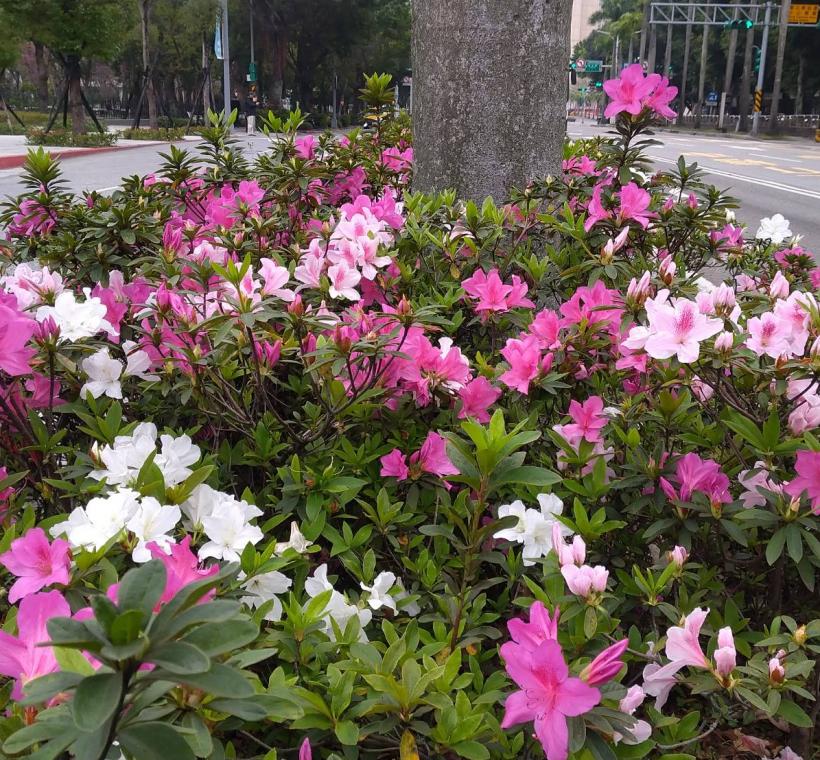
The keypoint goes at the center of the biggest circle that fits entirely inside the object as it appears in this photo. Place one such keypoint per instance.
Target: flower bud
(667, 270)
(724, 342)
(725, 654)
(799, 636)
(692, 201)
(724, 299)
(779, 287)
(815, 349)
(678, 556)
(638, 290)
(296, 307)
(777, 673)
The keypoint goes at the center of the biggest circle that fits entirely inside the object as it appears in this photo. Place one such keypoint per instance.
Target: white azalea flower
(265, 588)
(379, 592)
(534, 526)
(200, 504)
(93, 526)
(297, 541)
(775, 228)
(152, 522)
(138, 363)
(176, 456)
(411, 608)
(516, 532)
(126, 457)
(229, 532)
(103, 375)
(337, 608)
(77, 320)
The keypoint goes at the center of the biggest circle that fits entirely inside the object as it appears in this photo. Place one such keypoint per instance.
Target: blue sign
(712, 98)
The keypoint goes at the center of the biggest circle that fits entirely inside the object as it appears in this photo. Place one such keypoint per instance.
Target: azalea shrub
(298, 462)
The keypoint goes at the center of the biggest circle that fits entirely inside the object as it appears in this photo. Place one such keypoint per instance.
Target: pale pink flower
(678, 556)
(572, 554)
(36, 563)
(585, 580)
(724, 342)
(768, 336)
(779, 287)
(343, 281)
(682, 646)
(275, 277)
(725, 655)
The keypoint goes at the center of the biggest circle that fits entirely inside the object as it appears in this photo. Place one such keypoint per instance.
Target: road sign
(593, 66)
(804, 14)
(712, 98)
(581, 64)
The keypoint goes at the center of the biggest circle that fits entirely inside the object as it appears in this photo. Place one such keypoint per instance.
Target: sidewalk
(13, 149)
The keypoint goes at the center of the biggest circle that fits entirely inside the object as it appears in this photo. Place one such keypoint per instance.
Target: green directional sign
(593, 67)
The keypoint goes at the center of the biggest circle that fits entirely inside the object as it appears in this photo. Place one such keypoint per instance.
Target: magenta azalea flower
(540, 628)
(548, 694)
(629, 92)
(36, 563)
(15, 331)
(808, 478)
(476, 398)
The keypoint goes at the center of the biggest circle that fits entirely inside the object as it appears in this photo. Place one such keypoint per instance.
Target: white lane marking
(107, 189)
(744, 178)
(783, 158)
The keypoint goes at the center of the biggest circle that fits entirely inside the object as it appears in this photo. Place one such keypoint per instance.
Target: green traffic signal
(757, 55)
(739, 23)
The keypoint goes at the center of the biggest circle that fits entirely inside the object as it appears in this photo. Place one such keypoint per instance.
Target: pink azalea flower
(36, 563)
(599, 306)
(432, 456)
(20, 656)
(606, 665)
(682, 646)
(548, 695)
(587, 419)
(305, 146)
(275, 277)
(704, 476)
(768, 336)
(568, 554)
(524, 358)
(546, 327)
(476, 398)
(343, 281)
(540, 628)
(595, 210)
(493, 295)
(181, 567)
(394, 465)
(808, 478)
(629, 92)
(585, 580)
(634, 204)
(661, 97)
(15, 331)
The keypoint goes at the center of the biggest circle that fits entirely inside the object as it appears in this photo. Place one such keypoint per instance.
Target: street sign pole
(761, 72)
(226, 62)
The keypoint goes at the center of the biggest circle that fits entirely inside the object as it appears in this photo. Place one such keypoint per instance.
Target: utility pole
(334, 119)
(758, 105)
(687, 45)
(644, 32)
(704, 49)
(250, 16)
(653, 48)
(746, 80)
(667, 52)
(226, 62)
(730, 67)
(785, 7)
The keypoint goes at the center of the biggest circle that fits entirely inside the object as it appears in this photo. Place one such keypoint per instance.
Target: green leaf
(142, 587)
(775, 546)
(529, 476)
(179, 657)
(154, 741)
(125, 627)
(794, 542)
(794, 714)
(95, 700)
(471, 750)
(221, 681)
(347, 732)
(219, 638)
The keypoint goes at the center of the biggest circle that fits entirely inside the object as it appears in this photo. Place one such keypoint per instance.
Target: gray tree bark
(778, 67)
(746, 81)
(148, 74)
(798, 93)
(687, 46)
(489, 93)
(704, 50)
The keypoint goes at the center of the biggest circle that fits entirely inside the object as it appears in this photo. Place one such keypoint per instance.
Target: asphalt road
(765, 176)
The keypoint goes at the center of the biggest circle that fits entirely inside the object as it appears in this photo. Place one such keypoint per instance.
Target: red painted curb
(13, 162)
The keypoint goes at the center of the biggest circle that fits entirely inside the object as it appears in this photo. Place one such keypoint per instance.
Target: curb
(16, 161)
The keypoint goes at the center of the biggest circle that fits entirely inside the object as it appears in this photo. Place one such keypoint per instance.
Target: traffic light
(598, 84)
(573, 65)
(739, 23)
(756, 51)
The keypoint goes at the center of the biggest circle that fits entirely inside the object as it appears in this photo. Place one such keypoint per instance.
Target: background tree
(489, 93)
(76, 32)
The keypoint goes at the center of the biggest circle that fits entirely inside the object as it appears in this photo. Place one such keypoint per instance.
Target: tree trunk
(667, 52)
(704, 49)
(687, 46)
(75, 100)
(489, 93)
(644, 32)
(798, 93)
(778, 67)
(730, 58)
(148, 79)
(651, 63)
(746, 81)
(41, 67)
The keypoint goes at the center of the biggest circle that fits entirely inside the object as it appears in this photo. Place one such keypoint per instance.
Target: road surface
(765, 176)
